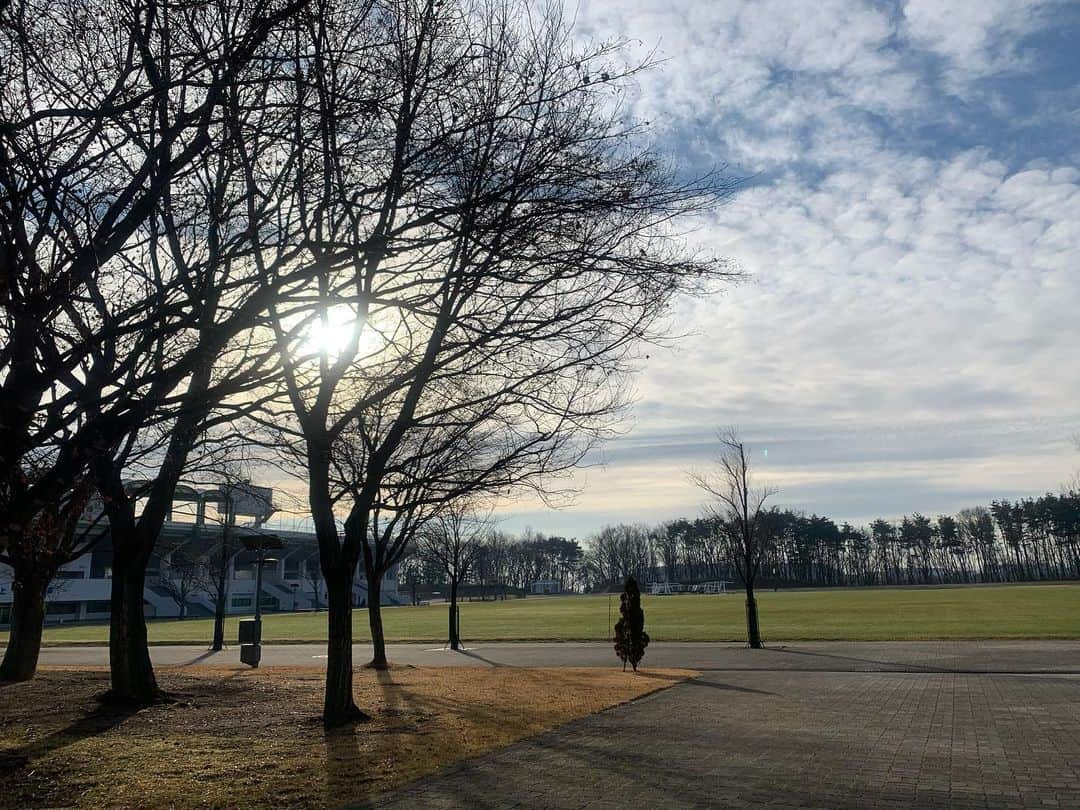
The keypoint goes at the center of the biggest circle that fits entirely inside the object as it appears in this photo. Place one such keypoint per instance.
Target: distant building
(542, 586)
(291, 581)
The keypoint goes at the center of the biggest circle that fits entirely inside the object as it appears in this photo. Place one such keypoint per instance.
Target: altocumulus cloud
(907, 339)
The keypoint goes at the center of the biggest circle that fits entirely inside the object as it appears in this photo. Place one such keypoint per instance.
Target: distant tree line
(1029, 539)
(503, 564)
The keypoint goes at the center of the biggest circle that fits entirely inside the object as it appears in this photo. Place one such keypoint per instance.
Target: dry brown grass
(253, 737)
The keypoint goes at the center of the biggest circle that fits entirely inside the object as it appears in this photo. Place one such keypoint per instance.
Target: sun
(333, 332)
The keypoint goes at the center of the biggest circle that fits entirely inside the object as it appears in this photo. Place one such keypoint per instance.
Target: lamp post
(251, 629)
(258, 585)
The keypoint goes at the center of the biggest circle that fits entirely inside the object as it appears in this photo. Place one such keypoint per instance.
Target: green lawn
(1044, 611)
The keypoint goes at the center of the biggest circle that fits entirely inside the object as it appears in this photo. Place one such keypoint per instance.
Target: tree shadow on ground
(729, 687)
(661, 676)
(406, 708)
(488, 661)
(105, 717)
(391, 690)
(349, 763)
(902, 667)
(345, 765)
(690, 680)
(198, 659)
(502, 778)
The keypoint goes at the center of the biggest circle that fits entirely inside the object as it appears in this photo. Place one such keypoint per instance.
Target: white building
(291, 576)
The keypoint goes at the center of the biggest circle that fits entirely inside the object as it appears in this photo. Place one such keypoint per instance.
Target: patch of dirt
(254, 738)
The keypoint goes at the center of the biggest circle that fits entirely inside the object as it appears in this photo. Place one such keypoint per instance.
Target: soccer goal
(664, 588)
(717, 586)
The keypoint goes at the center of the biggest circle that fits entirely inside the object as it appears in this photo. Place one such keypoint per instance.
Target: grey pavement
(820, 656)
(793, 739)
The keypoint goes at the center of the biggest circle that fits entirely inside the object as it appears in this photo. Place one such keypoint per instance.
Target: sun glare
(332, 333)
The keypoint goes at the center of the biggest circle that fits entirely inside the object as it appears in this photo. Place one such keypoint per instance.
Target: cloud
(900, 288)
(908, 338)
(977, 38)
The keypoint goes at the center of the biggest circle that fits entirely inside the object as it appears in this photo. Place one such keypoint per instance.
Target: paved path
(793, 739)
(802, 724)
(821, 656)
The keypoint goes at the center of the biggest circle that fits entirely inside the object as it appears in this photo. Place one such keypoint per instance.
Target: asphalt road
(867, 656)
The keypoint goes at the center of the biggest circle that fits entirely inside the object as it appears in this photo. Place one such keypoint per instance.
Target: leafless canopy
(737, 502)
(488, 222)
(452, 539)
(494, 240)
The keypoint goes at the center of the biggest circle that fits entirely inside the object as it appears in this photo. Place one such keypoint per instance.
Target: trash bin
(250, 641)
(250, 654)
(250, 631)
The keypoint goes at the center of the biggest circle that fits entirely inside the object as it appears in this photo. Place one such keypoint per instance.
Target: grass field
(862, 614)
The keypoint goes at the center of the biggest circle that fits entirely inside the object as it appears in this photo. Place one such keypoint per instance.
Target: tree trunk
(455, 640)
(753, 634)
(339, 707)
(27, 620)
(218, 644)
(220, 597)
(132, 673)
(378, 640)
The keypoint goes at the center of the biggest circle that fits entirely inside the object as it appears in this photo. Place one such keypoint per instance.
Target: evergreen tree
(630, 636)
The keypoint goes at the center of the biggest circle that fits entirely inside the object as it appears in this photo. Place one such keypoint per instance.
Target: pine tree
(630, 636)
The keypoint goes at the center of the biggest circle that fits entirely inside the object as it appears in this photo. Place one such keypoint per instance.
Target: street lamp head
(261, 542)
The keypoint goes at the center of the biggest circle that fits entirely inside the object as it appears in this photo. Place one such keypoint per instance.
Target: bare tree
(313, 577)
(497, 553)
(621, 551)
(452, 541)
(737, 503)
(668, 545)
(411, 573)
(51, 537)
(216, 585)
(390, 533)
(106, 113)
(436, 464)
(183, 573)
(406, 497)
(493, 243)
(229, 472)
(1072, 485)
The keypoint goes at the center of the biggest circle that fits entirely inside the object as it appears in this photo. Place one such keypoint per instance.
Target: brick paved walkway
(786, 738)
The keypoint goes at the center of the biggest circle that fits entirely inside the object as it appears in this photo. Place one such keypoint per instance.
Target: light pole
(258, 584)
(251, 629)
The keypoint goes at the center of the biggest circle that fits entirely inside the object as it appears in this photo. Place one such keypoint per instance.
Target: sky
(908, 336)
